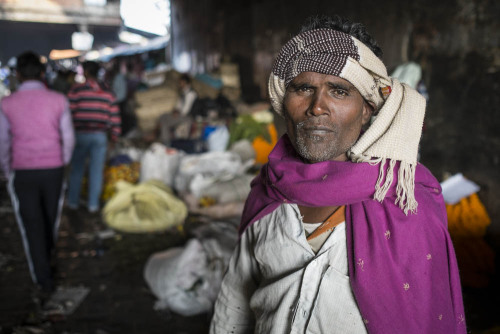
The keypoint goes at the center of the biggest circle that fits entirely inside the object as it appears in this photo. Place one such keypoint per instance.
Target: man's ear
(368, 110)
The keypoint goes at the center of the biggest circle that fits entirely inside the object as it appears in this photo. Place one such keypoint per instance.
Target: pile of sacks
(170, 183)
(214, 183)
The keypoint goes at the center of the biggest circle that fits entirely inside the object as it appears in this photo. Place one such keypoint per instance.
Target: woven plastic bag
(218, 139)
(177, 278)
(210, 164)
(146, 207)
(234, 189)
(160, 163)
(186, 280)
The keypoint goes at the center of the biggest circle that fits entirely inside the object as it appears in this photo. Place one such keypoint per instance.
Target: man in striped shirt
(95, 116)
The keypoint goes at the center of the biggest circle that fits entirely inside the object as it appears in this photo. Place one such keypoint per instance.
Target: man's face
(182, 84)
(324, 116)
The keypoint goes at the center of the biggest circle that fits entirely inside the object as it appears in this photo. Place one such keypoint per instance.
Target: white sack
(210, 164)
(160, 163)
(218, 139)
(187, 280)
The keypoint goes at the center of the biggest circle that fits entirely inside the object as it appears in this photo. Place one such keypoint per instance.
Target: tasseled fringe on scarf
(381, 189)
(405, 190)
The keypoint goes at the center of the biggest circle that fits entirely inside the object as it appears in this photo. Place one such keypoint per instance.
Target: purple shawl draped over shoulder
(402, 269)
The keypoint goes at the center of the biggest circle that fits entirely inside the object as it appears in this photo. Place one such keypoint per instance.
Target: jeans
(90, 145)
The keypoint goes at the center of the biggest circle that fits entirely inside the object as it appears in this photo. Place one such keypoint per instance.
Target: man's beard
(316, 148)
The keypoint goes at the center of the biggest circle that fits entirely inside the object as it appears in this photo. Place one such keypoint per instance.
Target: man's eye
(340, 92)
(303, 89)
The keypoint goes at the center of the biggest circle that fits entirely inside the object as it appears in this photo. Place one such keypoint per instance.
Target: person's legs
(52, 200)
(96, 169)
(128, 117)
(25, 193)
(77, 169)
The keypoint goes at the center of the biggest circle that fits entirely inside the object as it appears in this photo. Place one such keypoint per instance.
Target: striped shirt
(94, 109)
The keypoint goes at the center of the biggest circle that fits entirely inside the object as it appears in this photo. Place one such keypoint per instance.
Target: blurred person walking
(64, 80)
(95, 115)
(120, 87)
(36, 141)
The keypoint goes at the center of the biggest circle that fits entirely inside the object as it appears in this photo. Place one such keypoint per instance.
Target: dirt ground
(119, 300)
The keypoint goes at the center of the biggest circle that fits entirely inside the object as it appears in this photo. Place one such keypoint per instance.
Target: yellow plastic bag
(146, 207)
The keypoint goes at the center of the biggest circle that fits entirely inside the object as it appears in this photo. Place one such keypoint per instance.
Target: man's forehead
(316, 76)
(321, 78)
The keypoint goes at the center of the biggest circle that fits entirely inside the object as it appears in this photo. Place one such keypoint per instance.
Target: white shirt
(119, 87)
(276, 284)
(186, 101)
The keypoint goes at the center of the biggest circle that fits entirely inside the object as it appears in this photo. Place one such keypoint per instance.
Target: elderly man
(332, 240)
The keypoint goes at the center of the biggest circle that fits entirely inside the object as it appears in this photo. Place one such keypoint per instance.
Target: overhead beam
(108, 15)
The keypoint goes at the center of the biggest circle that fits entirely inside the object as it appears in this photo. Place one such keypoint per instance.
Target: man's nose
(319, 104)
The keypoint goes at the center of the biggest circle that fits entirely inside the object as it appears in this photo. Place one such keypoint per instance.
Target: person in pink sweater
(36, 142)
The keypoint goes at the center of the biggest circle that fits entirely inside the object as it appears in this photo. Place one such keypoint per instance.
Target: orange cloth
(328, 225)
(262, 147)
(467, 224)
(468, 218)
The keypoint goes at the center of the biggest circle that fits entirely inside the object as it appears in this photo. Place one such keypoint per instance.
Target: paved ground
(119, 300)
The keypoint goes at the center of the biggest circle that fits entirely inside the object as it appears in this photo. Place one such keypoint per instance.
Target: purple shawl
(402, 269)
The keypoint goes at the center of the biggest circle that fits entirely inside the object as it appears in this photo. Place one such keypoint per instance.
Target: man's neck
(311, 215)
(92, 82)
(23, 80)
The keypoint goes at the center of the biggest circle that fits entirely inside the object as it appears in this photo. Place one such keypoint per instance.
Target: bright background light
(152, 16)
(95, 2)
(182, 63)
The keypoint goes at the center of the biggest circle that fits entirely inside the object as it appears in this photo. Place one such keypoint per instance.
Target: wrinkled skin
(324, 116)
